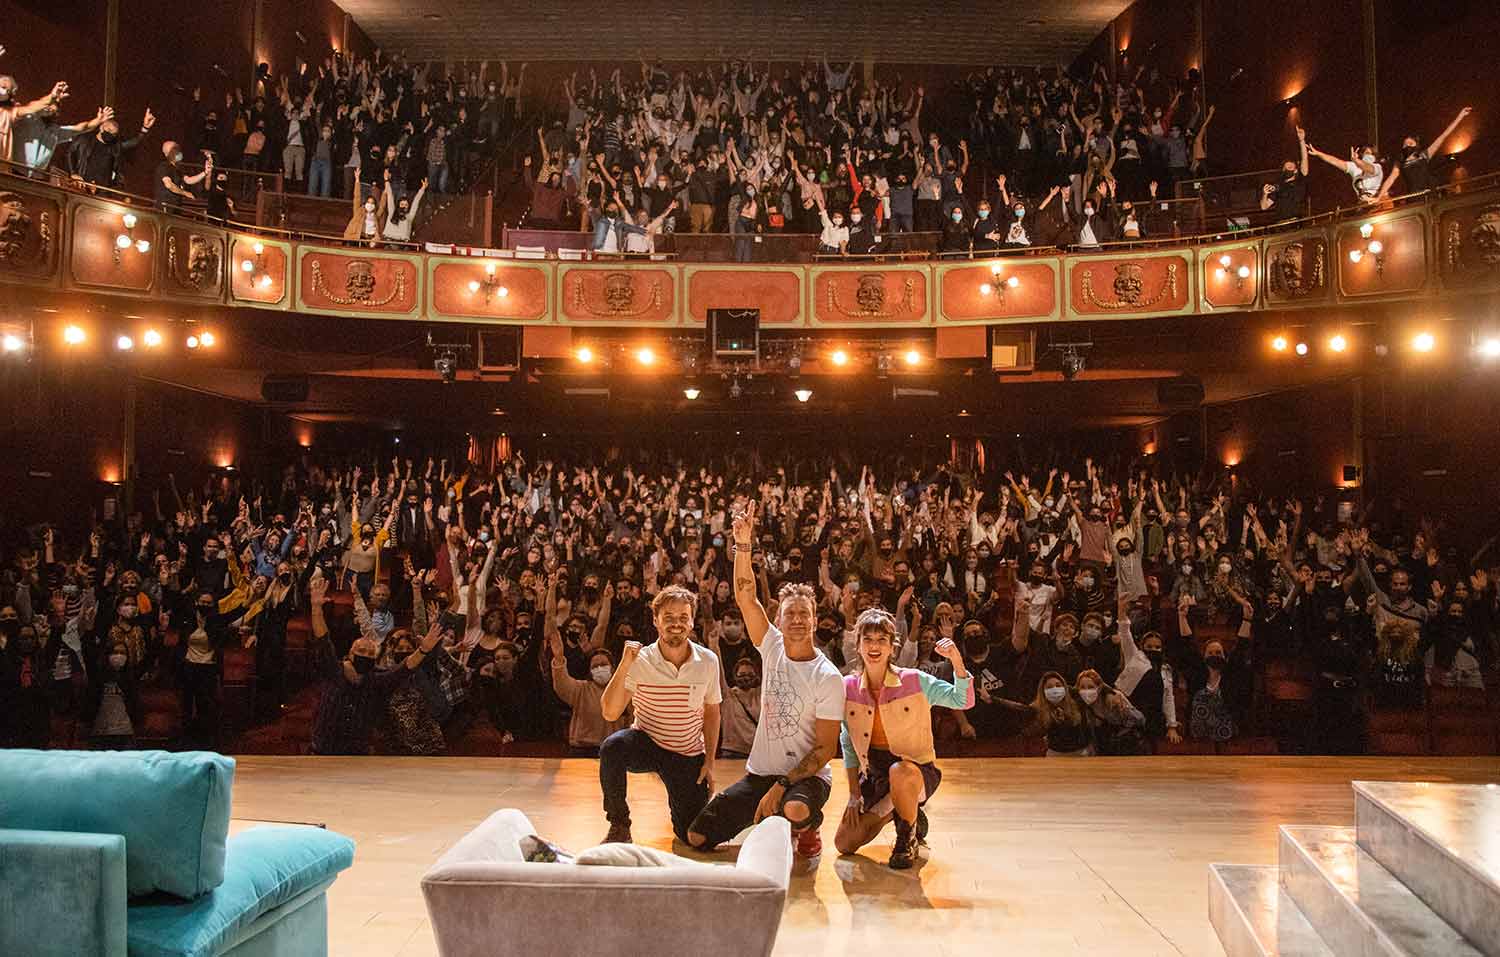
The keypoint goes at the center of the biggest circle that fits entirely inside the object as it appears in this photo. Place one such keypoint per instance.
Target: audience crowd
(1107, 607)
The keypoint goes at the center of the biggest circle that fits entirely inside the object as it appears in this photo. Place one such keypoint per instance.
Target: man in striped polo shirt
(674, 685)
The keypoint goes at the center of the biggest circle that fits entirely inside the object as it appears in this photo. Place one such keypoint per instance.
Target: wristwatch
(784, 781)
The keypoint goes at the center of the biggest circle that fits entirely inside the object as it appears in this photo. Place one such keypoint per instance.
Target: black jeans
(733, 809)
(630, 751)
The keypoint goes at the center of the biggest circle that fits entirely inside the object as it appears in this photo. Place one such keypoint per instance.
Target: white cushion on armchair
(484, 899)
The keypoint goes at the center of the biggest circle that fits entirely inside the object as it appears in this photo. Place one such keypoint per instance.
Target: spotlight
(913, 357)
(1073, 362)
(1355, 255)
(192, 342)
(1490, 348)
(1423, 342)
(691, 393)
(584, 355)
(207, 339)
(12, 342)
(1366, 230)
(803, 394)
(124, 343)
(151, 338)
(1376, 247)
(1338, 343)
(446, 366)
(1279, 343)
(1301, 348)
(645, 356)
(839, 357)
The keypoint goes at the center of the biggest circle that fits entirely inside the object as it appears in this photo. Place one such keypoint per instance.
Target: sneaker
(904, 854)
(809, 843)
(618, 834)
(921, 827)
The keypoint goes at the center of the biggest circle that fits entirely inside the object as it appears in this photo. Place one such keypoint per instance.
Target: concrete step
(1443, 842)
(1355, 904)
(1254, 918)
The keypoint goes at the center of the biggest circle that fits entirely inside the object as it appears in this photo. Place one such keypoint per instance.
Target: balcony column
(111, 48)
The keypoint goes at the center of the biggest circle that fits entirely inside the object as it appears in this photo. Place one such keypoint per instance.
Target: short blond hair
(792, 591)
(670, 594)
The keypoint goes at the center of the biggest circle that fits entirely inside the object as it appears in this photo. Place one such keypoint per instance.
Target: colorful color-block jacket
(905, 704)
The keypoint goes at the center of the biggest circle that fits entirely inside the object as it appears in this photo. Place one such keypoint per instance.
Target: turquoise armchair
(116, 853)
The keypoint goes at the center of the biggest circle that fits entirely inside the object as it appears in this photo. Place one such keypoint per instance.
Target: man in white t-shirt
(801, 707)
(674, 685)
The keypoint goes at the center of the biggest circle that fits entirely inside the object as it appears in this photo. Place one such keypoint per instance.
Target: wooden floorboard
(1028, 856)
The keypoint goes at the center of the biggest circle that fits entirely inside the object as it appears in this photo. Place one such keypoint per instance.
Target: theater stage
(1028, 855)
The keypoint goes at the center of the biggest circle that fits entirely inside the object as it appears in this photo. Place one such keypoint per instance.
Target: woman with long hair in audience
(1118, 724)
(1059, 718)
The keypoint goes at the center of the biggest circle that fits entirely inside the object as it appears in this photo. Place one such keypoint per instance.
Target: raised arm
(1462, 115)
(745, 594)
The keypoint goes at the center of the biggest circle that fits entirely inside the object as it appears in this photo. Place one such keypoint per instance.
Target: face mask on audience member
(601, 674)
(1090, 632)
(745, 678)
(128, 611)
(958, 216)
(117, 661)
(1055, 694)
(1089, 695)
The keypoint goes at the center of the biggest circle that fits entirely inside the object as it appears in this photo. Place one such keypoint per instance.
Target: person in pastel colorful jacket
(887, 738)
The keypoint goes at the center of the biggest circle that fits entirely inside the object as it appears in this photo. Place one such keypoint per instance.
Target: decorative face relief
(359, 284)
(873, 300)
(25, 239)
(199, 268)
(1296, 269)
(1129, 287)
(617, 296)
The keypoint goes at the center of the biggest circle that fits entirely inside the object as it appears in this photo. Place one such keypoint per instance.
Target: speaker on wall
(734, 332)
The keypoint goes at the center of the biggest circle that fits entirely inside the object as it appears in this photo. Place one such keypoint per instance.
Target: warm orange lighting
(74, 335)
(985, 289)
(1366, 230)
(265, 281)
(645, 356)
(151, 338)
(1013, 281)
(1376, 247)
(1301, 348)
(1279, 343)
(12, 342)
(839, 357)
(124, 343)
(207, 339)
(1231, 459)
(1338, 343)
(803, 395)
(192, 342)
(1490, 348)
(585, 355)
(913, 357)
(473, 285)
(1424, 342)
(1149, 448)
(110, 474)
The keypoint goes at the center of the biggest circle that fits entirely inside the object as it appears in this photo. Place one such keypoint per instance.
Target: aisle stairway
(1417, 876)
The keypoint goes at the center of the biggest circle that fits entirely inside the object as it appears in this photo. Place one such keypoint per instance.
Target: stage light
(74, 335)
(1423, 342)
(192, 342)
(1243, 272)
(645, 356)
(803, 394)
(129, 220)
(584, 355)
(1301, 348)
(691, 393)
(122, 241)
(207, 338)
(913, 357)
(142, 246)
(1366, 230)
(1338, 343)
(1279, 343)
(1013, 281)
(1490, 348)
(1376, 247)
(124, 343)
(151, 338)
(1355, 255)
(1225, 261)
(12, 342)
(839, 357)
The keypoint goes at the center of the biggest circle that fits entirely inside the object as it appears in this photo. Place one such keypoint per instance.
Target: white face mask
(1055, 694)
(117, 662)
(1368, 157)
(856, 219)
(600, 675)
(1089, 695)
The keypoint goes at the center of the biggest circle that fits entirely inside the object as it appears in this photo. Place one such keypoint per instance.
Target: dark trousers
(200, 705)
(630, 751)
(733, 809)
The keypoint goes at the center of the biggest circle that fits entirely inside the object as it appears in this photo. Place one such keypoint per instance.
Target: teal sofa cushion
(172, 809)
(62, 894)
(267, 867)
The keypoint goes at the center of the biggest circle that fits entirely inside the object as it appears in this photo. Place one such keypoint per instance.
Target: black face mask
(1216, 662)
(284, 577)
(10, 628)
(107, 137)
(205, 610)
(826, 635)
(1156, 658)
(26, 644)
(363, 664)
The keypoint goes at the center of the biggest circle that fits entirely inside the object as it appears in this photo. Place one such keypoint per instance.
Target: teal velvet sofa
(121, 853)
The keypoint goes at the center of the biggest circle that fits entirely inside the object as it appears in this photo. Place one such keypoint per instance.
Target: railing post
(260, 207)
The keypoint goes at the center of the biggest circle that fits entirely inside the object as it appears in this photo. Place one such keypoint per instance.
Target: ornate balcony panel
(998, 291)
(266, 281)
(31, 224)
(1130, 287)
(776, 291)
(357, 282)
(194, 265)
(1468, 243)
(1229, 277)
(114, 248)
(1298, 272)
(1383, 256)
(870, 296)
(488, 290)
(617, 295)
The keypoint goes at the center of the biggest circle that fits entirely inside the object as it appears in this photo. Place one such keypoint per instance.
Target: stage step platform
(1418, 875)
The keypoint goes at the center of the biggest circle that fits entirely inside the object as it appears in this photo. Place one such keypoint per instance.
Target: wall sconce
(1226, 264)
(125, 240)
(490, 285)
(257, 265)
(1372, 247)
(997, 285)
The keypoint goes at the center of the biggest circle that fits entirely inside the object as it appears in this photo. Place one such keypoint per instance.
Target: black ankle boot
(904, 854)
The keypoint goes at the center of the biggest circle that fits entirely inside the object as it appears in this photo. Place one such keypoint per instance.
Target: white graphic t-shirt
(793, 696)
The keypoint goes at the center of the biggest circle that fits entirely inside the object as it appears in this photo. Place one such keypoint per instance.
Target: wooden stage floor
(1028, 856)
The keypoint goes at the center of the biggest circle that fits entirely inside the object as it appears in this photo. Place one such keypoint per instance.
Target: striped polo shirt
(669, 701)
